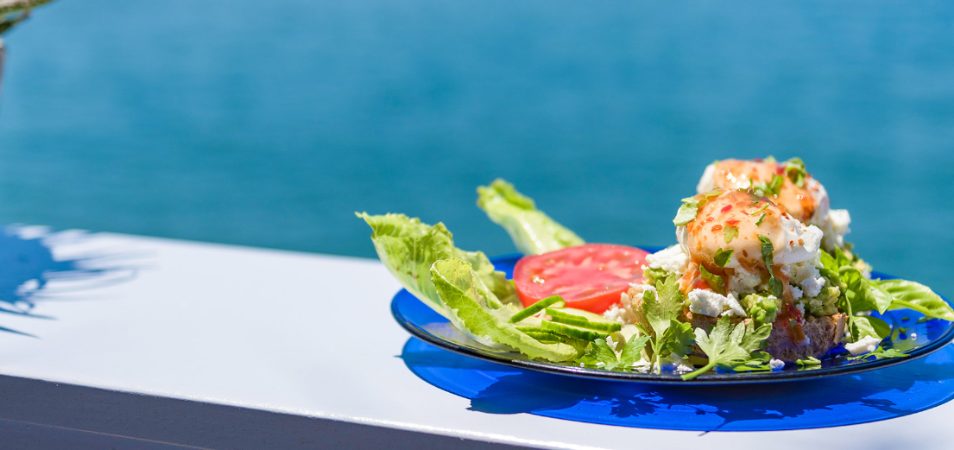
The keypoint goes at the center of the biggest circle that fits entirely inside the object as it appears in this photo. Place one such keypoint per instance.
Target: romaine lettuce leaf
(532, 231)
(472, 305)
(408, 248)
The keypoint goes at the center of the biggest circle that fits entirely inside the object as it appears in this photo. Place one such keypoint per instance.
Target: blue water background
(269, 123)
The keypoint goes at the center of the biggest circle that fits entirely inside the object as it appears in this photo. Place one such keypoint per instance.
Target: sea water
(270, 124)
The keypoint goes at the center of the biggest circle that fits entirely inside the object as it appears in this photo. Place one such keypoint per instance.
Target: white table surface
(275, 330)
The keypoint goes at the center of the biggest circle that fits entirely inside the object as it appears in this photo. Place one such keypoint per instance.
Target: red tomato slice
(589, 276)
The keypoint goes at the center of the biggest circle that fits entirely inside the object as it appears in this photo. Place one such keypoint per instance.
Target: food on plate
(760, 278)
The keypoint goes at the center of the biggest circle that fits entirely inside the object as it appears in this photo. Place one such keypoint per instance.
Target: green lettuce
(408, 248)
(916, 296)
(532, 231)
(860, 294)
(474, 307)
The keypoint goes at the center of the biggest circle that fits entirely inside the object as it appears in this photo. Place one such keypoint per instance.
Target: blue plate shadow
(842, 400)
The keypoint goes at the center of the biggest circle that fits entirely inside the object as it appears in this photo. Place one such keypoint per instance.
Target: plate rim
(708, 379)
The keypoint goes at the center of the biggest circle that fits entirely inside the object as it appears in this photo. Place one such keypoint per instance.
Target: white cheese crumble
(796, 292)
(680, 365)
(614, 313)
(642, 366)
(744, 281)
(835, 225)
(712, 304)
(776, 364)
(866, 344)
(683, 368)
(635, 292)
(805, 274)
(733, 308)
(671, 258)
(799, 242)
(813, 285)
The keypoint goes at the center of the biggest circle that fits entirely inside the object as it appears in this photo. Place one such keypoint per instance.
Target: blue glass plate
(910, 333)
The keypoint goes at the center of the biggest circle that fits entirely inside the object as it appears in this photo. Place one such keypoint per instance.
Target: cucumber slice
(584, 319)
(573, 331)
(555, 300)
(544, 336)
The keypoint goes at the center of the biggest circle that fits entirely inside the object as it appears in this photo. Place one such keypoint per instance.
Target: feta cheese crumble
(672, 259)
(866, 344)
(714, 304)
(776, 364)
(800, 242)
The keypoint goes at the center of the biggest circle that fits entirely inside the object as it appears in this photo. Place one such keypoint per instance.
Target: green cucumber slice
(544, 336)
(584, 319)
(573, 331)
(555, 300)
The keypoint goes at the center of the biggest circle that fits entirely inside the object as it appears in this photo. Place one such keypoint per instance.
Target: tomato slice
(589, 276)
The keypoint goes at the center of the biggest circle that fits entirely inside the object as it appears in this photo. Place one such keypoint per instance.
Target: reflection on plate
(909, 334)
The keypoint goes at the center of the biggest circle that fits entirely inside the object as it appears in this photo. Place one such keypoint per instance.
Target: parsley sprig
(662, 308)
(737, 347)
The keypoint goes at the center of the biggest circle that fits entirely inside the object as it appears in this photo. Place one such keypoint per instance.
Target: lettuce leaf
(532, 231)
(408, 248)
(472, 305)
(916, 296)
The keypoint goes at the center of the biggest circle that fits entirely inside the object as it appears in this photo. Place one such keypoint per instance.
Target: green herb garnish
(716, 282)
(722, 256)
(662, 308)
(730, 233)
(729, 346)
(775, 286)
(795, 171)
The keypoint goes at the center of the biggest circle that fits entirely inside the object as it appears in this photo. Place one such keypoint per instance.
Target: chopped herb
(767, 250)
(795, 171)
(775, 286)
(761, 209)
(730, 233)
(691, 206)
(761, 218)
(722, 256)
(716, 282)
(772, 188)
(687, 211)
(775, 185)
